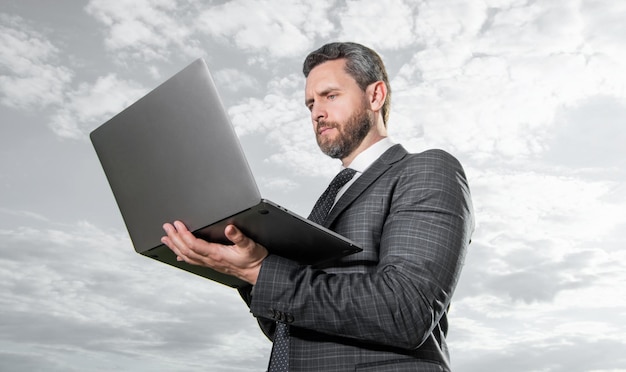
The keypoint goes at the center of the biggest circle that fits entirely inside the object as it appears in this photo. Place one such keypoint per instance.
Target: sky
(530, 96)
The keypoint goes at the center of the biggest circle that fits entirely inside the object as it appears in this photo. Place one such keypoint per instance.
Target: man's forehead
(335, 66)
(327, 74)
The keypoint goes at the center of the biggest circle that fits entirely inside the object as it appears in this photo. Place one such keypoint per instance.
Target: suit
(385, 308)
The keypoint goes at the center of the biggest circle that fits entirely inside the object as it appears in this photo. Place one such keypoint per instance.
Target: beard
(349, 136)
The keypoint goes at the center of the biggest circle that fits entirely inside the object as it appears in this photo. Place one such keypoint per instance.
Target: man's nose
(318, 113)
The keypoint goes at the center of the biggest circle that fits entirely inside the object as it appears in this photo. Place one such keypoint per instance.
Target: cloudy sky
(530, 95)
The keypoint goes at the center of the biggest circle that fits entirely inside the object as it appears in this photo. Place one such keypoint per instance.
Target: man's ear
(376, 95)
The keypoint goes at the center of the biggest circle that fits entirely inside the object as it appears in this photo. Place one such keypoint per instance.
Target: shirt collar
(368, 156)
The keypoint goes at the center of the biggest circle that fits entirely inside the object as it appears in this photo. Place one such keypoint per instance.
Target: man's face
(339, 109)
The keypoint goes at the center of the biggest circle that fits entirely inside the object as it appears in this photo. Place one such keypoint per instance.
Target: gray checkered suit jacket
(383, 309)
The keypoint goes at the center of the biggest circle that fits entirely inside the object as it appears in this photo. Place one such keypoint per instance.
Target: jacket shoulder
(432, 159)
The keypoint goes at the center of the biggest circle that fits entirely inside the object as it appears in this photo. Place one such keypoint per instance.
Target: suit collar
(377, 169)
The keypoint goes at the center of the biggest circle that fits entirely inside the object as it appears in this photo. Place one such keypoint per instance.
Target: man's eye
(332, 96)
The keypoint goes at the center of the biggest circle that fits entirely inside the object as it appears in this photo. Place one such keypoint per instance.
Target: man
(385, 308)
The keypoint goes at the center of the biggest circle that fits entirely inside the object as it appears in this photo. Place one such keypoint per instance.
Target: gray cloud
(556, 355)
(30, 76)
(94, 294)
(590, 135)
(529, 96)
(90, 105)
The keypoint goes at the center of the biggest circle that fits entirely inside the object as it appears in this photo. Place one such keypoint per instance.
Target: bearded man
(385, 308)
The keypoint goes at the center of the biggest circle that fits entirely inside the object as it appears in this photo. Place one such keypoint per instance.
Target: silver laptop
(174, 155)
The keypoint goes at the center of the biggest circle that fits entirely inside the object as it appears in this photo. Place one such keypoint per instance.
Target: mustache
(322, 124)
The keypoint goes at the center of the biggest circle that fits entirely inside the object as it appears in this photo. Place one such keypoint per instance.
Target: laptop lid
(162, 159)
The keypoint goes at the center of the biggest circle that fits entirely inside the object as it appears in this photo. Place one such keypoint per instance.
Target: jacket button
(289, 318)
(272, 313)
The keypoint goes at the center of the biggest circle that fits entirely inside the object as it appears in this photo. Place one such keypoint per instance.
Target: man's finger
(180, 227)
(175, 239)
(235, 235)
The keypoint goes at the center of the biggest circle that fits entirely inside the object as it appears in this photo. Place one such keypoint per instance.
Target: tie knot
(326, 201)
(342, 178)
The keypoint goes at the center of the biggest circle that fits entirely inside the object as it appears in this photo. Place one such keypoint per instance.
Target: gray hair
(362, 63)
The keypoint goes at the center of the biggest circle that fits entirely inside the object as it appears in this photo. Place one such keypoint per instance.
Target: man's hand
(243, 259)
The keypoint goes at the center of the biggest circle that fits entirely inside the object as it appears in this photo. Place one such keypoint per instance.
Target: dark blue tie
(325, 202)
(279, 360)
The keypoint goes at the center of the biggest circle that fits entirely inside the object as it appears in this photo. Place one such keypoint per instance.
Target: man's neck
(377, 133)
(365, 144)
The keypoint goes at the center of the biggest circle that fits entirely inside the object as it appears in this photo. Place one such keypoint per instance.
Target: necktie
(326, 201)
(279, 360)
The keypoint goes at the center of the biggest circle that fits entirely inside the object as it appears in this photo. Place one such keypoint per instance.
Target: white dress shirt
(364, 160)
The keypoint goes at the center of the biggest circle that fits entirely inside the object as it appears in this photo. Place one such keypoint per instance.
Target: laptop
(174, 155)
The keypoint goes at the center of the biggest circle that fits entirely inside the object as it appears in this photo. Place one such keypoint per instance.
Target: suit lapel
(377, 169)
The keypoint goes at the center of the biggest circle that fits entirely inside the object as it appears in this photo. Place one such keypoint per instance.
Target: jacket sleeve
(425, 231)
(267, 326)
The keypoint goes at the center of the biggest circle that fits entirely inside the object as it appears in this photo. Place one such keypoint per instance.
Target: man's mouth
(323, 128)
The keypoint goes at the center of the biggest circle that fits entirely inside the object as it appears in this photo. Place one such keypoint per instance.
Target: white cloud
(146, 30)
(604, 28)
(444, 22)
(281, 28)
(542, 206)
(282, 106)
(280, 184)
(492, 88)
(256, 115)
(235, 80)
(380, 25)
(154, 72)
(151, 30)
(29, 74)
(92, 104)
